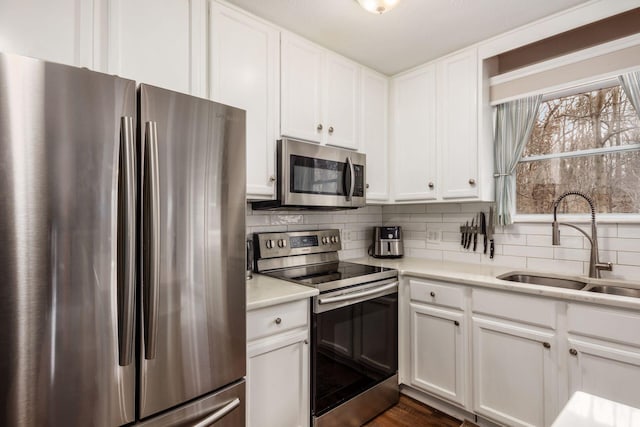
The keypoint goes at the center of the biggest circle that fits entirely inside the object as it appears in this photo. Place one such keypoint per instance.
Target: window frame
(605, 218)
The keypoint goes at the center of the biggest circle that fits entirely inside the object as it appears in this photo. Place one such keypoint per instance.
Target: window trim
(605, 218)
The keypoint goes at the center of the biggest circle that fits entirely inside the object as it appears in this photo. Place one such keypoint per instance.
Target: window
(588, 142)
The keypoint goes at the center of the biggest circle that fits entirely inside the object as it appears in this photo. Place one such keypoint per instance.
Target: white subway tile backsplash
(425, 254)
(515, 262)
(627, 258)
(629, 231)
(528, 251)
(555, 266)
(522, 245)
(618, 244)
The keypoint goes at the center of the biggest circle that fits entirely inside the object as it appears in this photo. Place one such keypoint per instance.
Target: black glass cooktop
(316, 274)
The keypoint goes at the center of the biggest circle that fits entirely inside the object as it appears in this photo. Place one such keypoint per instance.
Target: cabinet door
(342, 106)
(605, 370)
(57, 30)
(373, 132)
(458, 124)
(152, 44)
(301, 78)
(278, 381)
(414, 135)
(438, 352)
(244, 73)
(514, 373)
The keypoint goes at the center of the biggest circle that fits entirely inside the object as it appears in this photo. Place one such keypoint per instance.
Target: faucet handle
(607, 266)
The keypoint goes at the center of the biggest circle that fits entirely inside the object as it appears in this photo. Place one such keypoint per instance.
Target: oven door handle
(357, 294)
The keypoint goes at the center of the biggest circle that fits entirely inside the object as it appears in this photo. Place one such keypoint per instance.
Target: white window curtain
(630, 82)
(514, 123)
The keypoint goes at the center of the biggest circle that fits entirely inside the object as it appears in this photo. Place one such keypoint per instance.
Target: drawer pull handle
(278, 320)
(546, 345)
(455, 322)
(433, 294)
(573, 352)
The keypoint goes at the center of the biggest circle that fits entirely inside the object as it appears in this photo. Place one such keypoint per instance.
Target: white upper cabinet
(244, 69)
(458, 124)
(58, 31)
(301, 79)
(157, 44)
(320, 94)
(342, 102)
(435, 123)
(374, 96)
(414, 135)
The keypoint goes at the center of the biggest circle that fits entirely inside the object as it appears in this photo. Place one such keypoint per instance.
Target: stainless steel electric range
(354, 333)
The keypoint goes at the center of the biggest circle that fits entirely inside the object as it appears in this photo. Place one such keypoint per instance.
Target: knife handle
(475, 241)
(485, 244)
(491, 249)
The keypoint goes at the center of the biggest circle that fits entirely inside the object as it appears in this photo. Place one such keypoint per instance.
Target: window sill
(579, 218)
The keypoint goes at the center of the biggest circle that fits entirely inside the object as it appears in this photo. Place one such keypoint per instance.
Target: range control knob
(334, 239)
(324, 240)
(270, 244)
(282, 243)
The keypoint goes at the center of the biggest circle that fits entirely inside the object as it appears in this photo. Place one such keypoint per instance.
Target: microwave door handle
(352, 180)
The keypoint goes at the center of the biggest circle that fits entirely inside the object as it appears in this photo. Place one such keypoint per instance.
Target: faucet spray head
(555, 233)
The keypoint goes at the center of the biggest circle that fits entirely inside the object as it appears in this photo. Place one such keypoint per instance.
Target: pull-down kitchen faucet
(594, 263)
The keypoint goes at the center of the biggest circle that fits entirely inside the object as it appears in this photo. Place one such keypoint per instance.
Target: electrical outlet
(347, 235)
(434, 236)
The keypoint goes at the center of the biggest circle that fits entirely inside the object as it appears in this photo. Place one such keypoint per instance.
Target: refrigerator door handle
(219, 414)
(151, 252)
(126, 242)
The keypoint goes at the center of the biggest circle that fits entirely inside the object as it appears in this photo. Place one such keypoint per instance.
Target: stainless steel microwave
(312, 176)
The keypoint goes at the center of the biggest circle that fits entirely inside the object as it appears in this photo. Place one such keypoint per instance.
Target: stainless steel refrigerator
(122, 219)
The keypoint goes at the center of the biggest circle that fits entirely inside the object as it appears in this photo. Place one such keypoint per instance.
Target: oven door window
(354, 348)
(317, 176)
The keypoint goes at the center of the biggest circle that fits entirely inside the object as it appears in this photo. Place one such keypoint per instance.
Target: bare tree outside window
(588, 142)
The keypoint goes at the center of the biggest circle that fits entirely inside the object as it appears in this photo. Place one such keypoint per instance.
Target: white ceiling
(415, 32)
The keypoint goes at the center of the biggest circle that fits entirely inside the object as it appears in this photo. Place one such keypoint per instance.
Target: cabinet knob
(472, 181)
(330, 130)
(306, 341)
(431, 185)
(319, 126)
(433, 294)
(272, 178)
(546, 345)
(278, 320)
(455, 322)
(573, 352)
(367, 185)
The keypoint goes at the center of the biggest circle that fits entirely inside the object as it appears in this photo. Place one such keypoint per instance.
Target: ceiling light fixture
(377, 6)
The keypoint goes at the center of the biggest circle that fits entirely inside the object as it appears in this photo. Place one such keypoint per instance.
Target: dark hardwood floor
(411, 413)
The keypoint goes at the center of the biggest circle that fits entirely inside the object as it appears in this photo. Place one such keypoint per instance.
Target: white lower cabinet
(438, 356)
(604, 353)
(514, 373)
(278, 366)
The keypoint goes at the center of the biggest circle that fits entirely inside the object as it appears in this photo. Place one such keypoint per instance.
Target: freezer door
(192, 247)
(62, 135)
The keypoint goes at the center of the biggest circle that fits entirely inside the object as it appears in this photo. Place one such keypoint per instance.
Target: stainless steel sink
(616, 290)
(537, 279)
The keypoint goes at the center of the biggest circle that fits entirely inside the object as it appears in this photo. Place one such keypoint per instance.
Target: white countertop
(264, 291)
(586, 410)
(485, 276)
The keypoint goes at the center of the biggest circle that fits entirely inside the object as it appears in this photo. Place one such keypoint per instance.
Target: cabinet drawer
(278, 318)
(437, 294)
(610, 324)
(522, 308)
